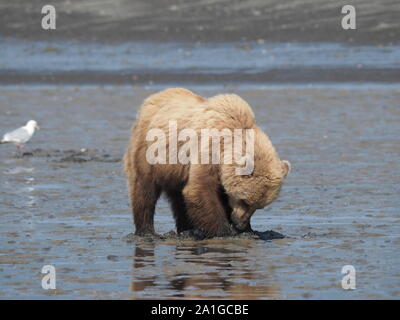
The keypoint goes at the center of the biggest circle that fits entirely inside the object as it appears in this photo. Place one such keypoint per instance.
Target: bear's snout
(241, 218)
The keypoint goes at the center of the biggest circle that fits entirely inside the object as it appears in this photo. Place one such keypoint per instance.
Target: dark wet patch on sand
(75, 156)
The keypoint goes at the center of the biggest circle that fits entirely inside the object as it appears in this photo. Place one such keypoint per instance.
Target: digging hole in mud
(267, 235)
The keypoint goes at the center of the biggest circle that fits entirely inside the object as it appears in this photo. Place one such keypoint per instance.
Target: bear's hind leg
(144, 198)
(178, 207)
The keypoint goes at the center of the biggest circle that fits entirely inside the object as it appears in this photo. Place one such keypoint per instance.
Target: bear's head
(249, 192)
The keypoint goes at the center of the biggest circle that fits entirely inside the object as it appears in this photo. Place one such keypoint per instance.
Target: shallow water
(340, 204)
(183, 57)
(142, 62)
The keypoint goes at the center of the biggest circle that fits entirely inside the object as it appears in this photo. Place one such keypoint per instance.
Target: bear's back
(193, 111)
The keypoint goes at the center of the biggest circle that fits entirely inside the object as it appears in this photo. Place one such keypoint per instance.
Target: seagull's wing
(20, 135)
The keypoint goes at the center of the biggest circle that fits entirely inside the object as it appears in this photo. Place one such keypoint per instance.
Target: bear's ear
(286, 167)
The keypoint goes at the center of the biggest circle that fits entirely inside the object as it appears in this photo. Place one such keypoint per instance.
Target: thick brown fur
(202, 196)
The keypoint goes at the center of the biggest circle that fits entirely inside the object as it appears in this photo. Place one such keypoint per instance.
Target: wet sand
(274, 76)
(67, 204)
(212, 20)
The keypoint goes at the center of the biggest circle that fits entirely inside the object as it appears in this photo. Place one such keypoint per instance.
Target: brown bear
(209, 196)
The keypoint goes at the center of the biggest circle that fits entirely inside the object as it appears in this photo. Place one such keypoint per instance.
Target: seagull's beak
(37, 127)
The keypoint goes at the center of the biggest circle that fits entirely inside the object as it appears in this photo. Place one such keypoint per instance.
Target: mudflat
(67, 204)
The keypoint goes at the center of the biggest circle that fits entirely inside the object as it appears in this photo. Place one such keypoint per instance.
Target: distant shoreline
(119, 21)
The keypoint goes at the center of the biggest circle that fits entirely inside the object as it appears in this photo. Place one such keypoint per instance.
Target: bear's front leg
(204, 207)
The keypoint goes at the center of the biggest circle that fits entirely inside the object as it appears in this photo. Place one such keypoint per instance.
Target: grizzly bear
(210, 198)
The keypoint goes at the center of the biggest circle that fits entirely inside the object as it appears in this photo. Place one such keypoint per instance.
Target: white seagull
(21, 135)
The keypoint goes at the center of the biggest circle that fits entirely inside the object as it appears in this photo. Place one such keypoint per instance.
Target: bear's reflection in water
(200, 271)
